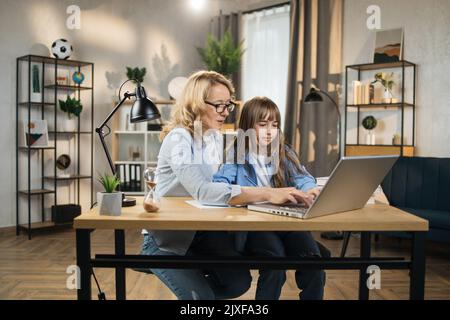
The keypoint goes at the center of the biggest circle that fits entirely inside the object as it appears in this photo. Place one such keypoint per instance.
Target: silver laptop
(351, 184)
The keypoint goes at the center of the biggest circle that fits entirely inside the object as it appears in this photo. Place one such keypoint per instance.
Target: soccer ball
(61, 49)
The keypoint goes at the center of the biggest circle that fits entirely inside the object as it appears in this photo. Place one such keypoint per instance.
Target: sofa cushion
(419, 182)
(436, 218)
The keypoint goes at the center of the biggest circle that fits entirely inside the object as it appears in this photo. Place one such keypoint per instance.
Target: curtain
(314, 59)
(265, 61)
(217, 27)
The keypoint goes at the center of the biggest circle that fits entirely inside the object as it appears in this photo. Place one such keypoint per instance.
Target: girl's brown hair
(191, 105)
(261, 108)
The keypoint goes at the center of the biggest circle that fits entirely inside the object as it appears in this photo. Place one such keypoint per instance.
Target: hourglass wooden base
(128, 202)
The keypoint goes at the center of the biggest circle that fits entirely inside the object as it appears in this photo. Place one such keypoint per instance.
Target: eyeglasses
(220, 107)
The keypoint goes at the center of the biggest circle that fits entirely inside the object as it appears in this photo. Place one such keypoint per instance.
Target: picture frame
(388, 46)
(36, 85)
(38, 136)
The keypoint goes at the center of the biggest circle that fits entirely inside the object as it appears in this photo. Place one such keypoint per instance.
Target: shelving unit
(358, 148)
(24, 102)
(144, 139)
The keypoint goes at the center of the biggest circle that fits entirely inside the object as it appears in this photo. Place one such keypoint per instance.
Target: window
(266, 57)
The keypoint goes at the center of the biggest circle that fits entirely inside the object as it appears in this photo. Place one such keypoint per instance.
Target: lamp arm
(101, 135)
(334, 102)
(339, 118)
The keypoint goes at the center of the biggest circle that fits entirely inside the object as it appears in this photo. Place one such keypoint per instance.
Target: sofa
(421, 186)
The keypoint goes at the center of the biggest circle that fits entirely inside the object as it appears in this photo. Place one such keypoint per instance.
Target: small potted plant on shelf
(73, 108)
(387, 82)
(369, 123)
(110, 201)
(136, 74)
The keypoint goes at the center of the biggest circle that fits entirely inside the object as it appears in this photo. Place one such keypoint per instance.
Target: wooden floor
(36, 269)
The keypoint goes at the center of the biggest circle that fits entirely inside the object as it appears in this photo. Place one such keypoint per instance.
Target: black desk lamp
(143, 109)
(315, 95)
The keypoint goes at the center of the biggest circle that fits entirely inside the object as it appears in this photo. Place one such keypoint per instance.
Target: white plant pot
(109, 204)
(70, 125)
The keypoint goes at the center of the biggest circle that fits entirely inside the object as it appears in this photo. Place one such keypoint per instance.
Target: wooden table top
(176, 214)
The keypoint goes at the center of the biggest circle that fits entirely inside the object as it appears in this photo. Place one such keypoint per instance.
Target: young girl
(261, 116)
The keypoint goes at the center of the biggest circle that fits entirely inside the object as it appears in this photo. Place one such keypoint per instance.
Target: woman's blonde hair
(191, 105)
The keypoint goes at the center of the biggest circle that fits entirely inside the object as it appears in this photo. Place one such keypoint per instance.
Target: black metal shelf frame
(401, 105)
(48, 61)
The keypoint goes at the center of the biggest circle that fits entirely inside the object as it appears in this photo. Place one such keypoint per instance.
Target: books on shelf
(130, 177)
(363, 93)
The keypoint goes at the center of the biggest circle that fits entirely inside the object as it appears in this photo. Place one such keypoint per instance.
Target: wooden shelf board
(36, 104)
(72, 177)
(50, 60)
(70, 132)
(35, 148)
(373, 150)
(375, 66)
(378, 105)
(66, 87)
(129, 162)
(36, 191)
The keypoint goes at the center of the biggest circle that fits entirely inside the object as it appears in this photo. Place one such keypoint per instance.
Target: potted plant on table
(73, 108)
(110, 201)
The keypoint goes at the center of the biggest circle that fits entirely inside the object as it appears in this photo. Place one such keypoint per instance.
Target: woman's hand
(283, 195)
(314, 192)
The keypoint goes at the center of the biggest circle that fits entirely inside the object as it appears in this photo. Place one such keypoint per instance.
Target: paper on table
(197, 204)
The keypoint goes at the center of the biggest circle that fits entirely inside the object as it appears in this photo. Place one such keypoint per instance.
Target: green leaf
(109, 182)
(222, 55)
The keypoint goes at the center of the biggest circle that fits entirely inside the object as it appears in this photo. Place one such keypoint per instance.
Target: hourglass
(151, 201)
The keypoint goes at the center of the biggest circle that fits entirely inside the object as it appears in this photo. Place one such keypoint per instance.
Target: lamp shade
(143, 108)
(313, 96)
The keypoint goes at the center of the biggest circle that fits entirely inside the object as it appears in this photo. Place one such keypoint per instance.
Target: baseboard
(7, 230)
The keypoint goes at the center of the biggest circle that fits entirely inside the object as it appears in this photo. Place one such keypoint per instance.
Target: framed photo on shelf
(388, 46)
(38, 135)
(36, 82)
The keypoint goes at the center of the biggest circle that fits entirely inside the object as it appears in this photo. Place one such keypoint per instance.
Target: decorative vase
(387, 96)
(109, 204)
(370, 138)
(70, 125)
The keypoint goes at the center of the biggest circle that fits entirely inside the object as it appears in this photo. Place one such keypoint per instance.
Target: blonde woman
(190, 154)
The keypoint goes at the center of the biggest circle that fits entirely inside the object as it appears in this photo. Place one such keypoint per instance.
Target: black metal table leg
(83, 242)
(347, 235)
(120, 272)
(417, 272)
(363, 275)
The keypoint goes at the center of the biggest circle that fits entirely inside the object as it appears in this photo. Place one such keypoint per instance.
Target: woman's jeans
(189, 284)
(286, 244)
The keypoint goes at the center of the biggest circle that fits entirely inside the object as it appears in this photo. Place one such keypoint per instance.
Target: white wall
(113, 34)
(427, 43)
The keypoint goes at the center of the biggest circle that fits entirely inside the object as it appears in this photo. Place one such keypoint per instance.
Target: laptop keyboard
(295, 208)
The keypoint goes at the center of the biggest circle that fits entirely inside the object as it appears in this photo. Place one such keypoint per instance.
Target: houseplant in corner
(73, 109)
(223, 55)
(110, 201)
